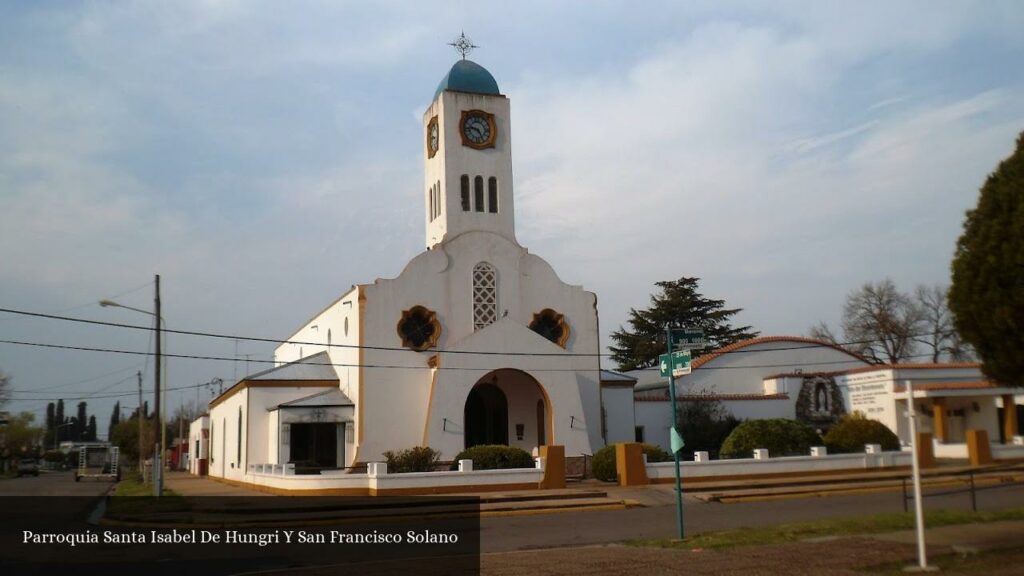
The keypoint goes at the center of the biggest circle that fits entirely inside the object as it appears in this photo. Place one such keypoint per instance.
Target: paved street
(53, 484)
(574, 529)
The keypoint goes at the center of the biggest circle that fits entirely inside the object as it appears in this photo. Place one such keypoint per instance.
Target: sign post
(677, 363)
(674, 432)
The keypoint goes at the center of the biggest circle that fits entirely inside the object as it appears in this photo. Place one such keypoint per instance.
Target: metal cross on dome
(463, 45)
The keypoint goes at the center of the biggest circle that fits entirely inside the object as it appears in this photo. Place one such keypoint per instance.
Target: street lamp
(158, 453)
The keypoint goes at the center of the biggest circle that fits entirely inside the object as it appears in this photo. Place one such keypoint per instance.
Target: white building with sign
(477, 341)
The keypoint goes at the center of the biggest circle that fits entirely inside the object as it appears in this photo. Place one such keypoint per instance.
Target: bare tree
(885, 325)
(880, 322)
(938, 333)
(822, 331)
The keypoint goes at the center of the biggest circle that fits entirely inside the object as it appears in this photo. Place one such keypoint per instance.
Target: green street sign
(688, 338)
(676, 440)
(678, 364)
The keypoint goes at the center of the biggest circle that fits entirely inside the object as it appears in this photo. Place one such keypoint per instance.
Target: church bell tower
(468, 157)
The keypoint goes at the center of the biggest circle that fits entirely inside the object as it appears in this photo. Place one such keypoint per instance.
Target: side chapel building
(477, 341)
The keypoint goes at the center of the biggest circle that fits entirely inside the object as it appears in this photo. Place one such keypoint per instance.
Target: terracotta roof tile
(662, 396)
(765, 339)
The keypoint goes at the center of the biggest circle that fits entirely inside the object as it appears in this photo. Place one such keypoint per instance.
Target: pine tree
(115, 419)
(81, 422)
(90, 430)
(680, 305)
(51, 423)
(987, 295)
(58, 419)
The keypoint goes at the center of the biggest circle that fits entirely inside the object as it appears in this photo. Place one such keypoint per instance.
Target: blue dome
(468, 76)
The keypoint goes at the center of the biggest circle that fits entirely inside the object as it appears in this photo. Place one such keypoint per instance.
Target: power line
(401, 367)
(402, 349)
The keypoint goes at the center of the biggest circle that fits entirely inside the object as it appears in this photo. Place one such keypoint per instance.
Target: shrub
(495, 457)
(856, 430)
(780, 436)
(418, 459)
(604, 462)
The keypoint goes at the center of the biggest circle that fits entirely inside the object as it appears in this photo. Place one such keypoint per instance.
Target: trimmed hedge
(856, 430)
(780, 436)
(495, 457)
(603, 464)
(418, 459)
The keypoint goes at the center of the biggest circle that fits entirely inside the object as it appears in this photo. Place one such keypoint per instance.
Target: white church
(477, 341)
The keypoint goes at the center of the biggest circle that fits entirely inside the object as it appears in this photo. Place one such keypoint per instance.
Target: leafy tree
(987, 295)
(679, 304)
(126, 437)
(21, 435)
(704, 423)
(5, 394)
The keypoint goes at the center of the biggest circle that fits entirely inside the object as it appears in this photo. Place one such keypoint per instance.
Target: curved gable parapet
(742, 344)
(533, 265)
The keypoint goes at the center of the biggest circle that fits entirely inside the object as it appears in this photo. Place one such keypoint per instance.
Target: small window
(492, 195)
(465, 193)
(431, 203)
(478, 193)
(638, 433)
(440, 204)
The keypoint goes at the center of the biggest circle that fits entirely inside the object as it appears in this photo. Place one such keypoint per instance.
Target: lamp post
(157, 413)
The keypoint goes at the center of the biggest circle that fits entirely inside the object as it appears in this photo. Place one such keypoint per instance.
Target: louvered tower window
(485, 295)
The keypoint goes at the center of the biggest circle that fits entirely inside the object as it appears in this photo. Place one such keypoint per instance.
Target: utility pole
(158, 455)
(141, 418)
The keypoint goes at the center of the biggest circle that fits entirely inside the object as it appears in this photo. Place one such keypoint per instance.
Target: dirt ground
(843, 556)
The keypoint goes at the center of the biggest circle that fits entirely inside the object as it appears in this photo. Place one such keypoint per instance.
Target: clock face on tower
(433, 137)
(478, 129)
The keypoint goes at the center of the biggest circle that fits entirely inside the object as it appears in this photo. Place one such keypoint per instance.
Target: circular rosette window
(551, 325)
(419, 328)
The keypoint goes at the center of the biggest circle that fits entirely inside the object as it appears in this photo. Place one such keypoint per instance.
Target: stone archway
(509, 407)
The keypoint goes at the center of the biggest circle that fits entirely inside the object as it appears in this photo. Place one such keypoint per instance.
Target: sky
(262, 157)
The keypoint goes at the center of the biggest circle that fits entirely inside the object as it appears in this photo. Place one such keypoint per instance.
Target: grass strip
(781, 533)
(132, 496)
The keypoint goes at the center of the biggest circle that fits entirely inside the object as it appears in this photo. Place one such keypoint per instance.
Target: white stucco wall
(742, 372)
(225, 461)
(196, 437)
(619, 418)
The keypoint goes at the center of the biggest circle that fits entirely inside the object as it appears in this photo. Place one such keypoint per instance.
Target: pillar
(939, 426)
(978, 449)
(925, 450)
(554, 467)
(1010, 426)
(629, 464)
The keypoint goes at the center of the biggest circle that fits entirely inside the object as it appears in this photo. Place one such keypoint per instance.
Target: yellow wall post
(629, 464)
(978, 449)
(554, 468)
(1009, 419)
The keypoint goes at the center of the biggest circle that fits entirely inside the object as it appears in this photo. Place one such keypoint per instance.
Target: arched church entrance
(507, 407)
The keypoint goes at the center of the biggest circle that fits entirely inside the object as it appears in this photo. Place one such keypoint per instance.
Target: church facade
(477, 341)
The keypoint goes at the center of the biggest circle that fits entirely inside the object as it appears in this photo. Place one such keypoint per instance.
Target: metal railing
(969, 478)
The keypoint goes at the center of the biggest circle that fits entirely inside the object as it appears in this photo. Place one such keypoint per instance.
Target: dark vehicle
(28, 466)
